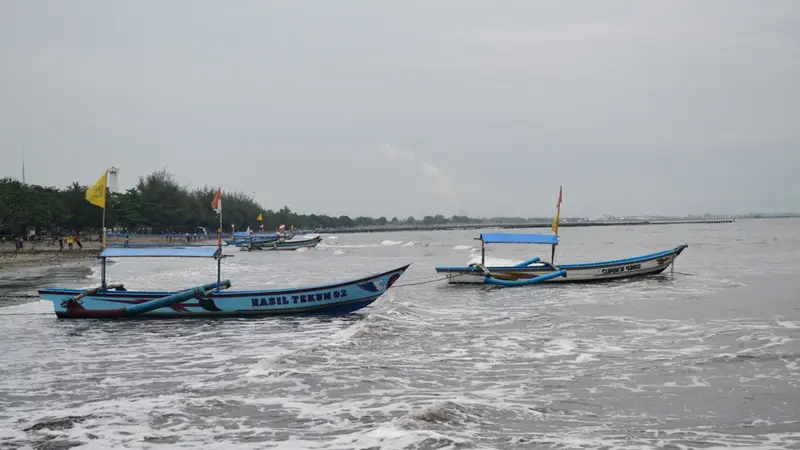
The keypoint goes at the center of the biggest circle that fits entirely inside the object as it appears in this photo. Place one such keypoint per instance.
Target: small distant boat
(246, 238)
(289, 244)
(281, 244)
(535, 271)
(209, 300)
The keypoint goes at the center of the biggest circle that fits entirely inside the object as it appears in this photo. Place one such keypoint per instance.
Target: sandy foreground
(43, 254)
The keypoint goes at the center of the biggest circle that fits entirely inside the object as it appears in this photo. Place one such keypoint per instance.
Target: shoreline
(10, 260)
(41, 254)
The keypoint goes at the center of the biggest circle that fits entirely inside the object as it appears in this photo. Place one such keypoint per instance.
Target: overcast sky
(414, 107)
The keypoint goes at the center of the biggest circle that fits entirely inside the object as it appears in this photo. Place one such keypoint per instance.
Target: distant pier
(507, 225)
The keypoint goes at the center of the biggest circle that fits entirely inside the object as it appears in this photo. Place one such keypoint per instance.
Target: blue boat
(212, 299)
(536, 271)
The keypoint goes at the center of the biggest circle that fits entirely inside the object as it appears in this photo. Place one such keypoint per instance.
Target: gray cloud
(440, 181)
(635, 107)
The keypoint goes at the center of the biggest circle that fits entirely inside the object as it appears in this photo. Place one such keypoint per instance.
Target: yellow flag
(259, 218)
(96, 193)
(555, 222)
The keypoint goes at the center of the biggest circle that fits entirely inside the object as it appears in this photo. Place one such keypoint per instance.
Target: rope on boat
(421, 282)
(483, 269)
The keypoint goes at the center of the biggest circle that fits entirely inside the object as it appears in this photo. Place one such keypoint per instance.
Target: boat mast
(219, 245)
(483, 249)
(219, 229)
(103, 284)
(105, 206)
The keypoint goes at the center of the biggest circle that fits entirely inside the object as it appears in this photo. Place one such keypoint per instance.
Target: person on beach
(77, 239)
(60, 242)
(69, 242)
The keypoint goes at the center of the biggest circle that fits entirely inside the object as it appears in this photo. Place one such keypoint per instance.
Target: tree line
(159, 204)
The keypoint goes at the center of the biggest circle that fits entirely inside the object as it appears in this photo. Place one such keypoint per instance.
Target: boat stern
(461, 274)
(59, 298)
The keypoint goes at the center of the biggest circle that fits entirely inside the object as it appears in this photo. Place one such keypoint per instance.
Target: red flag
(558, 204)
(216, 204)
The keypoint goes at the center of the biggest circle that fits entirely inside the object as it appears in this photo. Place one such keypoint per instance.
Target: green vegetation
(158, 204)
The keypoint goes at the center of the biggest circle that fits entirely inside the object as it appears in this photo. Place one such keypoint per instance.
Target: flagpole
(219, 229)
(105, 206)
(553, 247)
(219, 243)
(555, 226)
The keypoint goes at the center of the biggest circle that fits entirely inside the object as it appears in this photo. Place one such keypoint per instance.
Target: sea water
(707, 357)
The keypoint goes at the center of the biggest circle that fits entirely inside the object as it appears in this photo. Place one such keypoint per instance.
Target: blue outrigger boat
(209, 300)
(535, 271)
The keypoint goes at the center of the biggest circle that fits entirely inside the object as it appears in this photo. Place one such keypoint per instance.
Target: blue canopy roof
(513, 238)
(152, 252)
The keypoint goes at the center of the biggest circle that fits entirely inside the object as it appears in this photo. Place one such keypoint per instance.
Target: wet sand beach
(40, 253)
(11, 259)
(38, 264)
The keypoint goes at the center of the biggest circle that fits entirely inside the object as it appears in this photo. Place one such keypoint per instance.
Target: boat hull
(638, 266)
(245, 238)
(329, 299)
(284, 245)
(239, 242)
